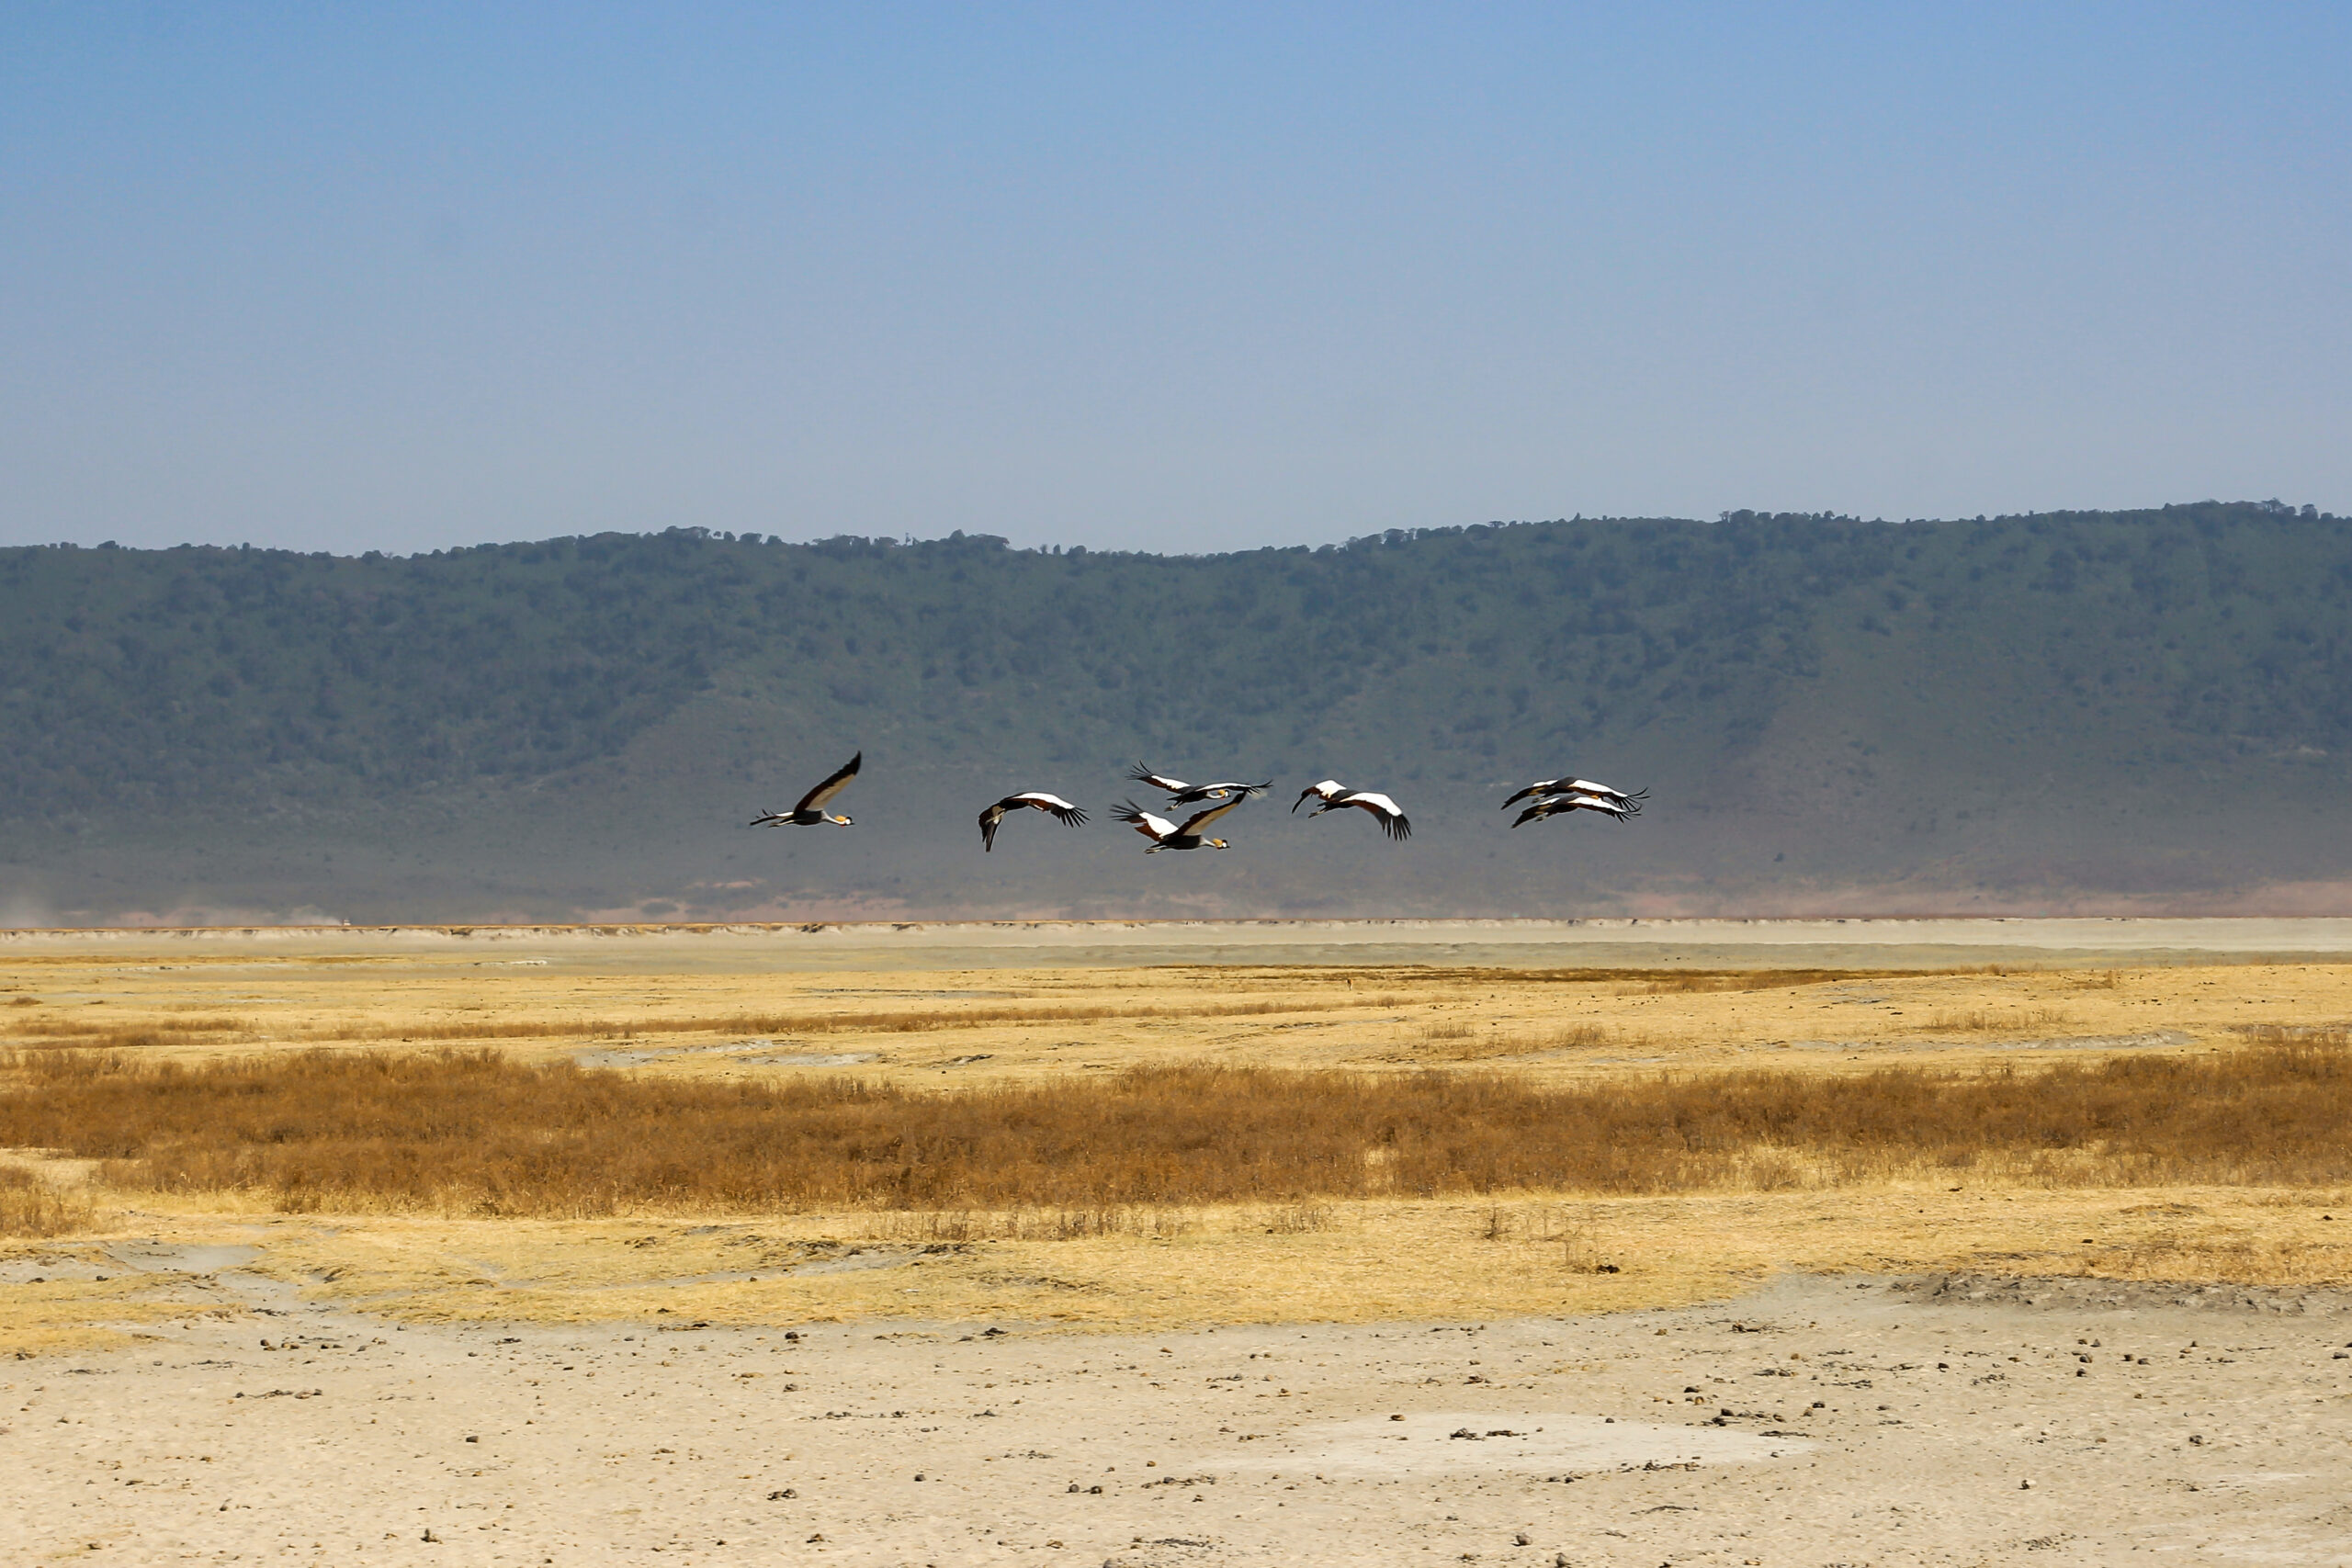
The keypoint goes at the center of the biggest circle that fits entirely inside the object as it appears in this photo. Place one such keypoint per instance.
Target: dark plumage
(1166, 835)
(811, 809)
(1632, 803)
(1566, 803)
(1385, 811)
(1052, 805)
(1182, 794)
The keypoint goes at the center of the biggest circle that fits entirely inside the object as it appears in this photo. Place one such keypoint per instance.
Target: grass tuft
(473, 1132)
(30, 1206)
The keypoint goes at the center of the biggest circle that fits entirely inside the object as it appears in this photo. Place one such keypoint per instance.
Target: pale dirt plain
(1934, 1371)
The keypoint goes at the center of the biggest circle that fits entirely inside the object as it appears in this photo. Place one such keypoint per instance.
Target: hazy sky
(1169, 277)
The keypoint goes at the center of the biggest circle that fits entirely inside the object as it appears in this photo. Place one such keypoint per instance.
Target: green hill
(2072, 710)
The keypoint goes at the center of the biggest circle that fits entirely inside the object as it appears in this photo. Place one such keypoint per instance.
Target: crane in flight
(1052, 805)
(1334, 795)
(1167, 835)
(1182, 794)
(811, 809)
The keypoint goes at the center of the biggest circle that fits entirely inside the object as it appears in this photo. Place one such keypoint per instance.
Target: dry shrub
(1464, 1042)
(1579, 1254)
(1666, 981)
(1298, 1219)
(881, 1022)
(957, 1226)
(111, 1032)
(1980, 1022)
(475, 1132)
(32, 1206)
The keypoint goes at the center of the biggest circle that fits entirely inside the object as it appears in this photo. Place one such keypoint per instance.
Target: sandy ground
(729, 1003)
(1787, 1377)
(1819, 1420)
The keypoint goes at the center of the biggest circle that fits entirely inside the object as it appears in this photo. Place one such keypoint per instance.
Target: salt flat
(1819, 1420)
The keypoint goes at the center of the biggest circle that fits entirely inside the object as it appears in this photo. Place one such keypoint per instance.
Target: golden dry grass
(1356, 1261)
(1806, 1123)
(695, 1011)
(2027, 1022)
(32, 1205)
(475, 1132)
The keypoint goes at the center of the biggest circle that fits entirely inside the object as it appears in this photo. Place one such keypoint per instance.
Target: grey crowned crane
(1333, 795)
(811, 809)
(1326, 789)
(1052, 805)
(1166, 835)
(1560, 803)
(1632, 803)
(1182, 794)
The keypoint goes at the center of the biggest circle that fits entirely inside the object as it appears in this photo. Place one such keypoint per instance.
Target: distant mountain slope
(2065, 708)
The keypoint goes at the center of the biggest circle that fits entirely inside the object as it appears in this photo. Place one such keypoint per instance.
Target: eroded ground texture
(1822, 1420)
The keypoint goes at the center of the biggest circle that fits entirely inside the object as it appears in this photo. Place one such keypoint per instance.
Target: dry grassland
(472, 1133)
(442, 1137)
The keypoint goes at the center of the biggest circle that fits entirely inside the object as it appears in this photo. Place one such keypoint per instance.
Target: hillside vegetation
(2012, 712)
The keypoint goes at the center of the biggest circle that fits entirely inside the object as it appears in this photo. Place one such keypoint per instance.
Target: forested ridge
(232, 686)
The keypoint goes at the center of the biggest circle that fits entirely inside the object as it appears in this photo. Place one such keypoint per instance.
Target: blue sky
(1172, 279)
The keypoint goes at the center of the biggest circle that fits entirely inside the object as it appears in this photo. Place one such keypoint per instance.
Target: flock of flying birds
(1551, 797)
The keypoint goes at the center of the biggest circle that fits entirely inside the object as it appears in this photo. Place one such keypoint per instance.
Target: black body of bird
(1559, 804)
(1382, 810)
(1167, 835)
(1052, 805)
(1632, 803)
(1182, 794)
(811, 809)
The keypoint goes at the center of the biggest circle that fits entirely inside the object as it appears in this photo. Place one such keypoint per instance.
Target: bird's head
(838, 821)
(1216, 843)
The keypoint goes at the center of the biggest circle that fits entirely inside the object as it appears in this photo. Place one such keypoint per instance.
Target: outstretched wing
(1142, 774)
(989, 820)
(832, 786)
(1385, 811)
(1142, 821)
(1326, 790)
(1200, 819)
(1578, 802)
(1052, 805)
